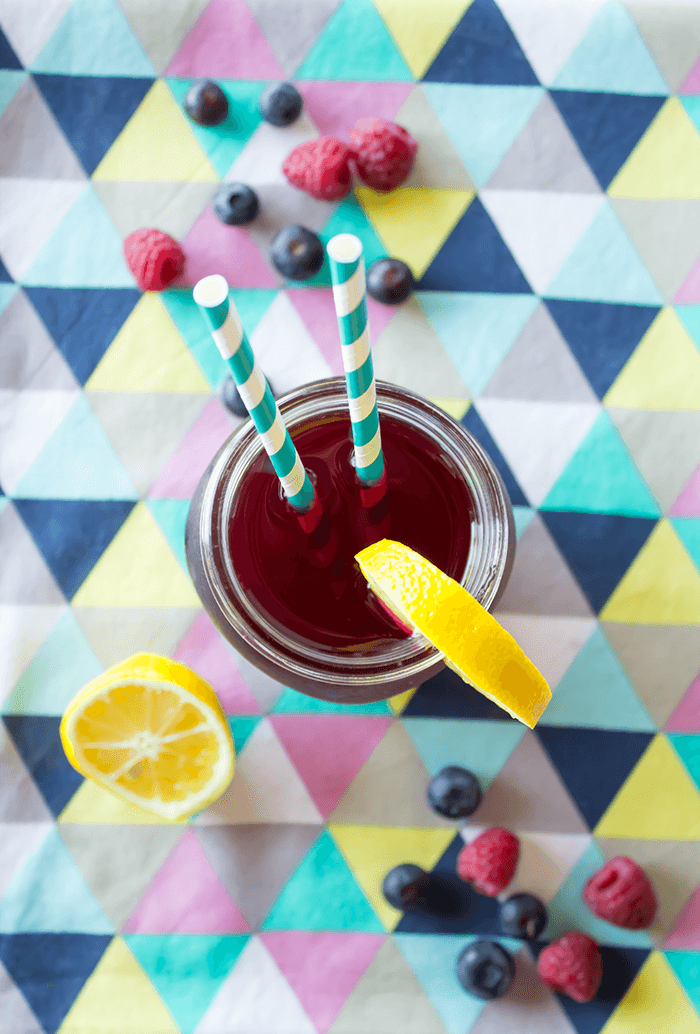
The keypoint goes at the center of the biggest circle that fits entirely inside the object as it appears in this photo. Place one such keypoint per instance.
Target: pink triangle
(322, 968)
(316, 308)
(187, 897)
(689, 293)
(226, 43)
(688, 502)
(180, 477)
(204, 650)
(692, 82)
(212, 247)
(335, 107)
(328, 751)
(686, 717)
(686, 933)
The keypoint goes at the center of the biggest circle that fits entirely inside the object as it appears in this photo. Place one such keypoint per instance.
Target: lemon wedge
(153, 732)
(472, 641)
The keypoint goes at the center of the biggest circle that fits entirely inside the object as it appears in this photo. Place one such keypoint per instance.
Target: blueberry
(389, 281)
(297, 253)
(205, 102)
(235, 204)
(280, 104)
(454, 792)
(406, 887)
(231, 398)
(523, 915)
(485, 970)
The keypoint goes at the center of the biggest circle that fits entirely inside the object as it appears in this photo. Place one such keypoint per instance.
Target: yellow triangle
(659, 801)
(156, 144)
(118, 998)
(413, 222)
(371, 851)
(400, 702)
(663, 372)
(662, 587)
(148, 354)
(655, 1002)
(138, 569)
(456, 407)
(92, 804)
(419, 28)
(666, 161)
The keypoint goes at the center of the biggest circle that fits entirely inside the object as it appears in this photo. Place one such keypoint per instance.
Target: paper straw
(349, 294)
(212, 297)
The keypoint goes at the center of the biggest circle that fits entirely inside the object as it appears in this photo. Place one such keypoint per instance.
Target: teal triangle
(568, 912)
(497, 114)
(612, 58)
(688, 529)
(187, 969)
(77, 462)
(686, 966)
(687, 746)
(481, 746)
(85, 251)
(604, 267)
(171, 515)
(522, 515)
(223, 143)
(355, 44)
(349, 217)
(595, 693)
(601, 477)
(689, 316)
(64, 662)
(7, 293)
(94, 38)
(323, 895)
(692, 107)
(494, 322)
(293, 702)
(242, 728)
(10, 81)
(50, 894)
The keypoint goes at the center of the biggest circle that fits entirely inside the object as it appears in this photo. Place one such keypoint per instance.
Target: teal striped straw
(349, 294)
(212, 297)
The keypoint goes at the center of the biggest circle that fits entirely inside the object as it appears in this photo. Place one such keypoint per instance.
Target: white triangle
(17, 1017)
(266, 787)
(20, 801)
(266, 691)
(29, 24)
(546, 859)
(537, 439)
(549, 30)
(285, 349)
(551, 643)
(22, 631)
(18, 841)
(255, 997)
(29, 418)
(540, 228)
(30, 212)
(261, 159)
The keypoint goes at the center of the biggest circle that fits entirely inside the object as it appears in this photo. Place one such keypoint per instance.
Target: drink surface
(316, 592)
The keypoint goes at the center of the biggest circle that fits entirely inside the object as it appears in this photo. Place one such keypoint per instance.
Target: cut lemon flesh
(474, 645)
(153, 732)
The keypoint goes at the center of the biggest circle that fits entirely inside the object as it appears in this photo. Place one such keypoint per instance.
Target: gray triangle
(410, 353)
(437, 164)
(30, 360)
(528, 794)
(292, 28)
(665, 446)
(541, 582)
(162, 36)
(20, 801)
(545, 157)
(17, 1017)
(666, 233)
(265, 690)
(540, 367)
(118, 632)
(33, 146)
(672, 33)
(661, 661)
(145, 430)
(528, 1008)
(119, 862)
(24, 575)
(255, 861)
(282, 205)
(172, 207)
(388, 997)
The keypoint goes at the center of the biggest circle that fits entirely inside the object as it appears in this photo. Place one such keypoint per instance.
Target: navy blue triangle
(476, 427)
(475, 258)
(92, 110)
(483, 50)
(598, 547)
(445, 695)
(8, 58)
(50, 969)
(83, 322)
(73, 534)
(39, 745)
(606, 126)
(593, 763)
(601, 336)
(5, 277)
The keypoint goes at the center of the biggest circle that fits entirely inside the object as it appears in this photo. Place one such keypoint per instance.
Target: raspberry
(385, 153)
(572, 964)
(621, 893)
(320, 167)
(155, 258)
(490, 861)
